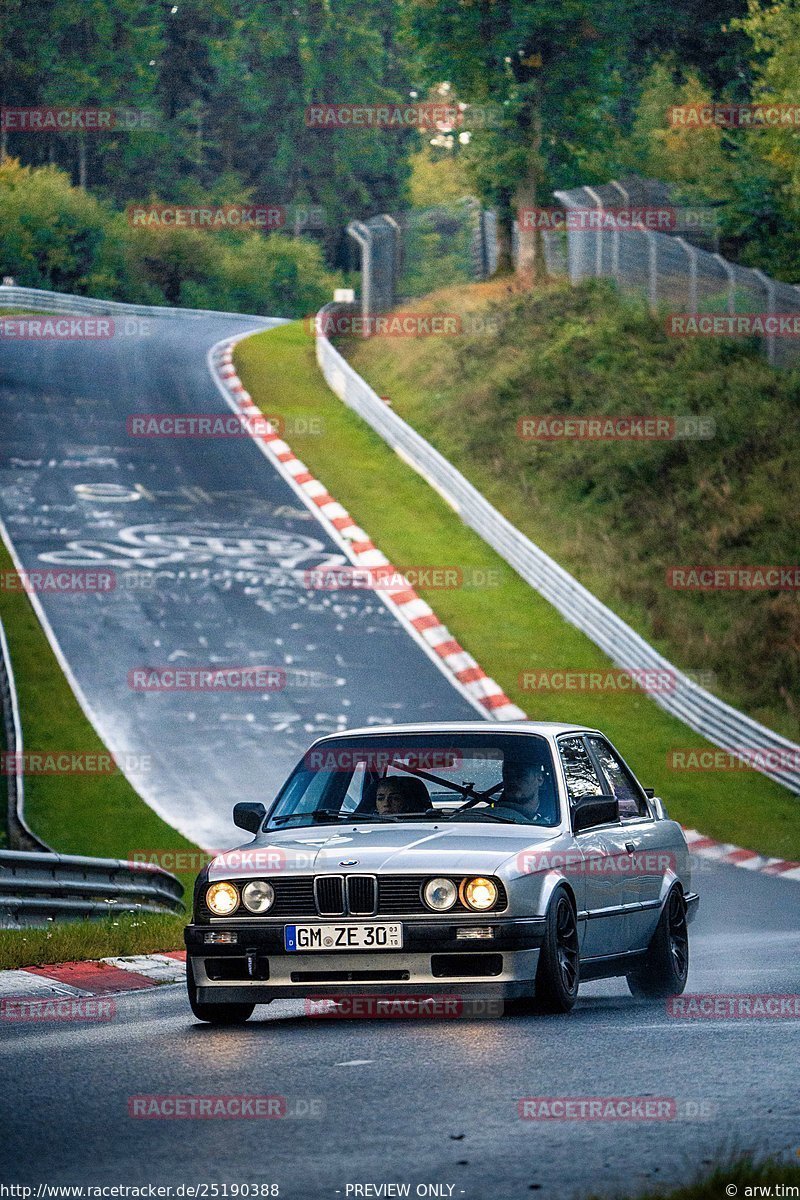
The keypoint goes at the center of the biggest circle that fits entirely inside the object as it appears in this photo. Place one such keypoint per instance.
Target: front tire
(215, 1014)
(558, 972)
(665, 967)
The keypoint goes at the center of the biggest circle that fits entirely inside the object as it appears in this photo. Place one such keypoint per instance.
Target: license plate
(343, 937)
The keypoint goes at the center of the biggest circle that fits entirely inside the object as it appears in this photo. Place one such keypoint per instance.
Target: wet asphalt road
(209, 548)
(209, 545)
(426, 1101)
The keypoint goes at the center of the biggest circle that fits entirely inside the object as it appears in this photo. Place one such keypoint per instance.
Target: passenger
(401, 795)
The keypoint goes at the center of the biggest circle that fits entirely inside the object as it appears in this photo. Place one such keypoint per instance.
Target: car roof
(543, 728)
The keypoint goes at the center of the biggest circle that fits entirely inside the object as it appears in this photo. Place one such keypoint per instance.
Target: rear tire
(664, 969)
(215, 1014)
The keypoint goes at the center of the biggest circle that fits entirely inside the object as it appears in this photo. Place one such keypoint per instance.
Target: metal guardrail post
(730, 271)
(20, 835)
(691, 254)
(652, 269)
(598, 250)
(360, 233)
(769, 288)
(615, 242)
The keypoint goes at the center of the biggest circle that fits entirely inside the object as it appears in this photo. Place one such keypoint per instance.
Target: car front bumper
(433, 961)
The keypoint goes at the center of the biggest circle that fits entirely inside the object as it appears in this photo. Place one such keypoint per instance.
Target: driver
(526, 790)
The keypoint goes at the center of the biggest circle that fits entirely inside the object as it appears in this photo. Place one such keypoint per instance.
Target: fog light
(475, 932)
(221, 938)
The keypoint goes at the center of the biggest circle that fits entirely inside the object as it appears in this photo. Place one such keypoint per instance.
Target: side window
(355, 791)
(631, 803)
(582, 778)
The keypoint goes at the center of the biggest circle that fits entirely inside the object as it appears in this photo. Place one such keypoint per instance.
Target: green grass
(77, 941)
(743, 1173)
(617, 515)
(508, 628)
(76, 813)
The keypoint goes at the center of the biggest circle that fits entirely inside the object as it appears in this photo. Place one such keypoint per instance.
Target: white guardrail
(12, 296)
(717, 721)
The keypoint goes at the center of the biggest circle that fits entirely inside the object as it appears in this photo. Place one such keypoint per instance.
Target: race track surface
(209, 547)
(426, 1101)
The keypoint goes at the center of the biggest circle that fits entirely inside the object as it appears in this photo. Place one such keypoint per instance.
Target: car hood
(369, 848)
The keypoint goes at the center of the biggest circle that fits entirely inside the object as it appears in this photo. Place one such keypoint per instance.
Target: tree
(544, 65)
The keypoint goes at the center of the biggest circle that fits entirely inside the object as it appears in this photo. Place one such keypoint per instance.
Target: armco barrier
(20, 836)
(40, 301)
(38, 888)
(722, 724)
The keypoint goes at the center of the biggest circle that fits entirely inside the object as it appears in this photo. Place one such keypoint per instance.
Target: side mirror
(249, 816)
(594, 810)
(658, 808)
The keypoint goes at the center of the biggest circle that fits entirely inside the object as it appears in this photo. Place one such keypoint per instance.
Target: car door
(643, 861)
(604, 889)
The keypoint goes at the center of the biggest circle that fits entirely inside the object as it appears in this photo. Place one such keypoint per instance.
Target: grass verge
(77, 941)
(76, 813)
(742, 1174)
(509, 627)
(619, 514)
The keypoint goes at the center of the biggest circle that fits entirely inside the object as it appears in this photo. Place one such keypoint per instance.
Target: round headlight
(222, 899)
(258, 896)
(479, 894)
(440, 894)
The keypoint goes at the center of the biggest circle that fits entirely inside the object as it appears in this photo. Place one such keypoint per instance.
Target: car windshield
(500, 778)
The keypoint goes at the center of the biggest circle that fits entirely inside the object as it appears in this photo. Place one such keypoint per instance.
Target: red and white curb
(83, 980)
(734, 856)
(415, 613)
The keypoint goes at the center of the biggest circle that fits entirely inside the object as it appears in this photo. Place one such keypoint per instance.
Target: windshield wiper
(323, 816)
(483, 816)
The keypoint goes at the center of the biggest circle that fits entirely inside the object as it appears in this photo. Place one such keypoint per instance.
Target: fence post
(598, 253)
(616, 235)
(691, 252)
(769, 287)
(652, 274)
(731, 274)
(360, 233)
